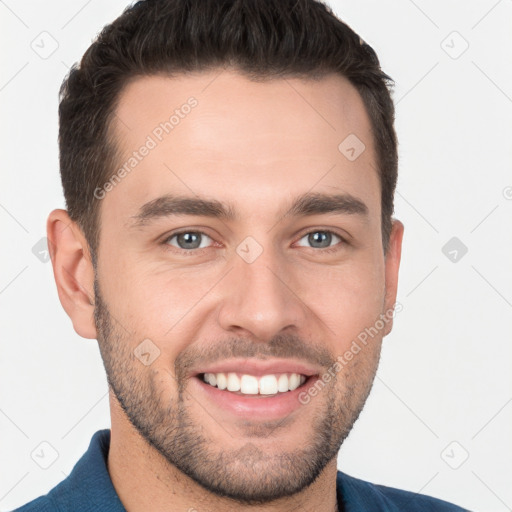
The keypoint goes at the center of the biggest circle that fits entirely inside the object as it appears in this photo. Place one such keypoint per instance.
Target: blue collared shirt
(89, 488)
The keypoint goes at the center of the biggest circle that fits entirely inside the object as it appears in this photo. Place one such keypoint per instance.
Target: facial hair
(247, 474)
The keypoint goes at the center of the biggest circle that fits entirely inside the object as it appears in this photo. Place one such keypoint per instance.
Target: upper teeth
(251, 385)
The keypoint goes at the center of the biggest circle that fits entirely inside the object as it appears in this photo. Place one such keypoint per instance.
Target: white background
(445, 369)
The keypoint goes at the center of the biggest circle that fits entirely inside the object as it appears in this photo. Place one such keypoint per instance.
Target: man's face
(253, 297)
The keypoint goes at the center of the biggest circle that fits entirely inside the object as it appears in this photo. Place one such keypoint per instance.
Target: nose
(260, 299)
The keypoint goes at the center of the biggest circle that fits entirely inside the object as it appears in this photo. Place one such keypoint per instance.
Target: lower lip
(253, 406)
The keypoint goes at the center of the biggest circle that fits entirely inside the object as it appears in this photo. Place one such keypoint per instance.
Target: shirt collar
(89, 482)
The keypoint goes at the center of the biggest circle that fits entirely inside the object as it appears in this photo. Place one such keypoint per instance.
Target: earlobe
(392, 265)
(73, 271)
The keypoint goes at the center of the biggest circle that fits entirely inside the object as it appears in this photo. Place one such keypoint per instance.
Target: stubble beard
(248, 474)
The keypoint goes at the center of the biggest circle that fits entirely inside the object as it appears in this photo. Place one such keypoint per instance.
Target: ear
(73, 271)
(392, 264)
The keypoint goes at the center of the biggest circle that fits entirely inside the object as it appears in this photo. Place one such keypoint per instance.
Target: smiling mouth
(251, 385)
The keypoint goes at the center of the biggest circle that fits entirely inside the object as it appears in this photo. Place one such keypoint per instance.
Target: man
(229, 171)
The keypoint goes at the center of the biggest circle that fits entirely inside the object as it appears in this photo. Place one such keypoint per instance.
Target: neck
(144, 480)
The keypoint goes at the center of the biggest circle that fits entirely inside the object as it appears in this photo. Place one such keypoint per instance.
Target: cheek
(158, 303)
(348, 298)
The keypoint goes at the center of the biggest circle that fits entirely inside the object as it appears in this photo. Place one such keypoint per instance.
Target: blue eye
(322, 239)
(187, 240)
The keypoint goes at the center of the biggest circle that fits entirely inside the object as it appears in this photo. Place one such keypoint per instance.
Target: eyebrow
(307, 204)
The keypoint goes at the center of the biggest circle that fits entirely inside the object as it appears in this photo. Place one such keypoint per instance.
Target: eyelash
(191, 252)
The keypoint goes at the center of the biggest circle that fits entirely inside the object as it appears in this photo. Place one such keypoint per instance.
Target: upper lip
(259, 367)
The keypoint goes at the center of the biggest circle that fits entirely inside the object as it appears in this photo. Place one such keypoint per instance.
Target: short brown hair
(262, 39)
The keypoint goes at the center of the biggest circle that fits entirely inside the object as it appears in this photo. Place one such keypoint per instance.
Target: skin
(256, 146)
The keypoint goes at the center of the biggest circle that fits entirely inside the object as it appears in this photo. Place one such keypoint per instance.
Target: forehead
(220, 135)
